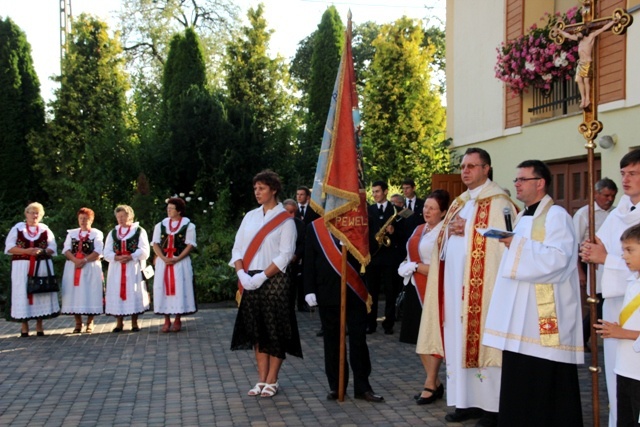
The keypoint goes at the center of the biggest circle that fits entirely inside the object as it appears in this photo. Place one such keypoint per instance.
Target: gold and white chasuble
(459, 288)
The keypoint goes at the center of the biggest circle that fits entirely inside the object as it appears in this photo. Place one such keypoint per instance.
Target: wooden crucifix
(586, 33)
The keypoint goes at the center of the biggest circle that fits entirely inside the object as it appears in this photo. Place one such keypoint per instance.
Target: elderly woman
(173, 239)
(127, 249)
(419, 250)
(82, 277)
(29, 242)
(264, 246)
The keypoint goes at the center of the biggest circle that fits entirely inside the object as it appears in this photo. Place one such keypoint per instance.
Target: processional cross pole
(586, 33)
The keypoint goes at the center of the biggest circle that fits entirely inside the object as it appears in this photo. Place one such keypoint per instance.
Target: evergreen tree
(21, 111)
(186, 106)
(260, 96)
(325, 60)
(86, 154)
(404, 120)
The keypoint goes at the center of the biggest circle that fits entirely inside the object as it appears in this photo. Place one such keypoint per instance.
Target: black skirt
(411, 315)
(267, 319)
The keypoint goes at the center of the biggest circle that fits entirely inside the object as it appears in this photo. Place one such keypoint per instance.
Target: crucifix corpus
(586, 33)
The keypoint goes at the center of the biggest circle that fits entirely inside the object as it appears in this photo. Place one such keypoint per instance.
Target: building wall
(475, 98)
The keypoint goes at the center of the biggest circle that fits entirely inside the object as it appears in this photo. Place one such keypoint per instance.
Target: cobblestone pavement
(191, 378)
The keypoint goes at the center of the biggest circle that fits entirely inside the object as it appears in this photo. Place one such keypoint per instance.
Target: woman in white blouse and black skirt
(266, 322)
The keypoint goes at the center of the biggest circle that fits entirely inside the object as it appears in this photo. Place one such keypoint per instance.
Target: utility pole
(65, 27)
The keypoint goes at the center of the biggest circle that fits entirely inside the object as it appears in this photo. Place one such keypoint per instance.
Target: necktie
(302, 211)
(409, 205)
(633, 208)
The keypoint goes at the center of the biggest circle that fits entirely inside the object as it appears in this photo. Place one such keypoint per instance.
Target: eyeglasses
(521, 180)
(472, 166)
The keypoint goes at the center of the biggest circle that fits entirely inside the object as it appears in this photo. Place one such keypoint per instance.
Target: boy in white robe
(627, 332)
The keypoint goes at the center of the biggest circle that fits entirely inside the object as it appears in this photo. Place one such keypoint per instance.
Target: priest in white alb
(535, 314)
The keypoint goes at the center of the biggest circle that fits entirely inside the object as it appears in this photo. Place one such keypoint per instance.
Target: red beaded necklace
(177, 227)
(84, 238)
(122, 235)
(32, 234)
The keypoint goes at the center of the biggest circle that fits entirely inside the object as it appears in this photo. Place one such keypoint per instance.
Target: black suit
(321, 279)
(309, 214)
(416, 219)
(383, 267)
(295, 268)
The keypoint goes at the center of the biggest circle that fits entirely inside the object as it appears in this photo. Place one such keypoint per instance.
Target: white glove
(311, 300)
(257, 280)
(244, 278)
(406, 269)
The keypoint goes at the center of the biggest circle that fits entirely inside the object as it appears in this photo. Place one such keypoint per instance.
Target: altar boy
(627, 366)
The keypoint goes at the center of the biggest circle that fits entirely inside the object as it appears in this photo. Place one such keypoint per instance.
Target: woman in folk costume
(127, 249)
(28, 242)
(266, 322)
(82, 280)
(419, 248)
(173, 239)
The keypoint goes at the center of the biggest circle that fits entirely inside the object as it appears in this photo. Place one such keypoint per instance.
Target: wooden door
(569, 183)
(450, 182)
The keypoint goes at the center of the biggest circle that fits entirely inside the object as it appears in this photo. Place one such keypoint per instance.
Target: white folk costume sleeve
(10, 241)
(143, 251)
(51, 240)
(98, 242)
(108, 253)
(67, 241)
(190, 239)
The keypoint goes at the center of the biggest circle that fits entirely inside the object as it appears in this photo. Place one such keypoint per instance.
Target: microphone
(507, 218)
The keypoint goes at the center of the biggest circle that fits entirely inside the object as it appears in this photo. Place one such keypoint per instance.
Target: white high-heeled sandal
(270, 390)
(257, 389)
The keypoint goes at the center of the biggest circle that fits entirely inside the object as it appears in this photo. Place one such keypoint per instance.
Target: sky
(292, 20)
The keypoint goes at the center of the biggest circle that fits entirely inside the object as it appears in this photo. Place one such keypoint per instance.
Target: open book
(494, 233)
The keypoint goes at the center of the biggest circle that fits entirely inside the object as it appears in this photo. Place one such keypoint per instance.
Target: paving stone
(191, 378)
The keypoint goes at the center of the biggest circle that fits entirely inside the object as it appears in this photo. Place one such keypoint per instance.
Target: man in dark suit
(411, 201)
(322, 286)
(295, 266)
(305, 213)
(383, 266)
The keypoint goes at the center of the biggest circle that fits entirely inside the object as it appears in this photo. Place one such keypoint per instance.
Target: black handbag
(400, 303)
(42, 284)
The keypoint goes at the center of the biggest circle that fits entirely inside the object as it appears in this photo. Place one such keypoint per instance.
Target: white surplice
(614, 281)
(513, 323)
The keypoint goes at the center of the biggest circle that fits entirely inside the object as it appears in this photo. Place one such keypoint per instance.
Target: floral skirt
(267, 319)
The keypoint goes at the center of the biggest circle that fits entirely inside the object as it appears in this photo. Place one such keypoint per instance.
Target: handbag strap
(46, 259)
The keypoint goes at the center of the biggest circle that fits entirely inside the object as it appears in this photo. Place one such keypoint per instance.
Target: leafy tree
(260, 104)
(147, 27)
(363, 50)
(21, 111)
(86, 154)
(403, 115)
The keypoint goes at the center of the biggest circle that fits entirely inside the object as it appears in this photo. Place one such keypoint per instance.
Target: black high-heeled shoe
(435, 395)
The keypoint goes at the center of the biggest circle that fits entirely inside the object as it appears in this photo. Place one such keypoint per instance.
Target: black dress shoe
(117, 329)
(40, 333)
(332, 395)
(435, 395)
(463, 414)
(320, 333)
(304, 309)
(24, 334)
(489, 419)
(388, 331)
(371, 331)
(370, 396)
